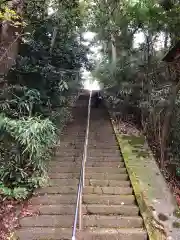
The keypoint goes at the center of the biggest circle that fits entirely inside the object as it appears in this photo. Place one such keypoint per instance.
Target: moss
(146, 211)
(134, 140)
(136, 145)
(141, 153)
(132, 149)
(177, 212)
(176, 224)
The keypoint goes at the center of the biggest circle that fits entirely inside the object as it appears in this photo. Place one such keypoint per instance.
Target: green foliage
(20, 192)
(38, 181)
(25, 147)
(135, 79)
(35, 100)
(16, 193)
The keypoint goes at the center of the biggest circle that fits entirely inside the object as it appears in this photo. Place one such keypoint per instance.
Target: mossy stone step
(99, 176)
(112, 221)
(112, 170)
(106, 183)
(113, 234)
(77, 163)
(108, 190)
(108, 199)
(100, 209)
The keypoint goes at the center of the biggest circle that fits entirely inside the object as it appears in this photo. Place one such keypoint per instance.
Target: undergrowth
(25, 147)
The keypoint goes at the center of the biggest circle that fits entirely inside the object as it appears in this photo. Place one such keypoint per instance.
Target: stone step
(63, 182)
(61, 149)
(105, 164)
(106, 183)
(63, 162)
(104, 159)
(100, 176)
(71, 151)
(62, 221)
(88, 182)
(112, 170)
(58, 164)
(55, 209)
(103, 150)
(71, 146)
(106, 176)
(53, 199)
(70, 142)
(57, 190)
(65, 169)
(64, 175)
(98, 209)
(111, 155)
(68, 134)
(66, 145)
(71, 139)
(112, 221)
(98, 158)
(102, 136)
(69, 158)
(101, 133)
(44, 233)
(108, 199)
(105, 141)
(76, 169)
(108, 190)
(69, 154)
(102, 146)
(69, 209)
(113, 234)
(100, 152)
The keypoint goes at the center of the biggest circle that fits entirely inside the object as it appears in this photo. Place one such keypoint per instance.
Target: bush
(24, 148)
(17, 193)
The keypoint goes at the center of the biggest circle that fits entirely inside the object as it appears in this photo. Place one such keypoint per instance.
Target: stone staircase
(55, 204)
(109, 207)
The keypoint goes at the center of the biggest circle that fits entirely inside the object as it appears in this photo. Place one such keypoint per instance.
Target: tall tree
(139, 78)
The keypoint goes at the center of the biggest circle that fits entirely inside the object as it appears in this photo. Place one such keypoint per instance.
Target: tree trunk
(166, 41)
(114, 54)
(9, 39)
(53, 38)
(167, 120)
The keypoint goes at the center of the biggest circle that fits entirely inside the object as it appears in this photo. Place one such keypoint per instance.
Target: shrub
(24, 148)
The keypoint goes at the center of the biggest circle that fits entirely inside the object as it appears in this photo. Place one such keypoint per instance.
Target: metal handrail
(78, 211)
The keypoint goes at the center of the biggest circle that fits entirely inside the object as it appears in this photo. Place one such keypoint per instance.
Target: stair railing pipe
(78, 211)
(86, 138)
